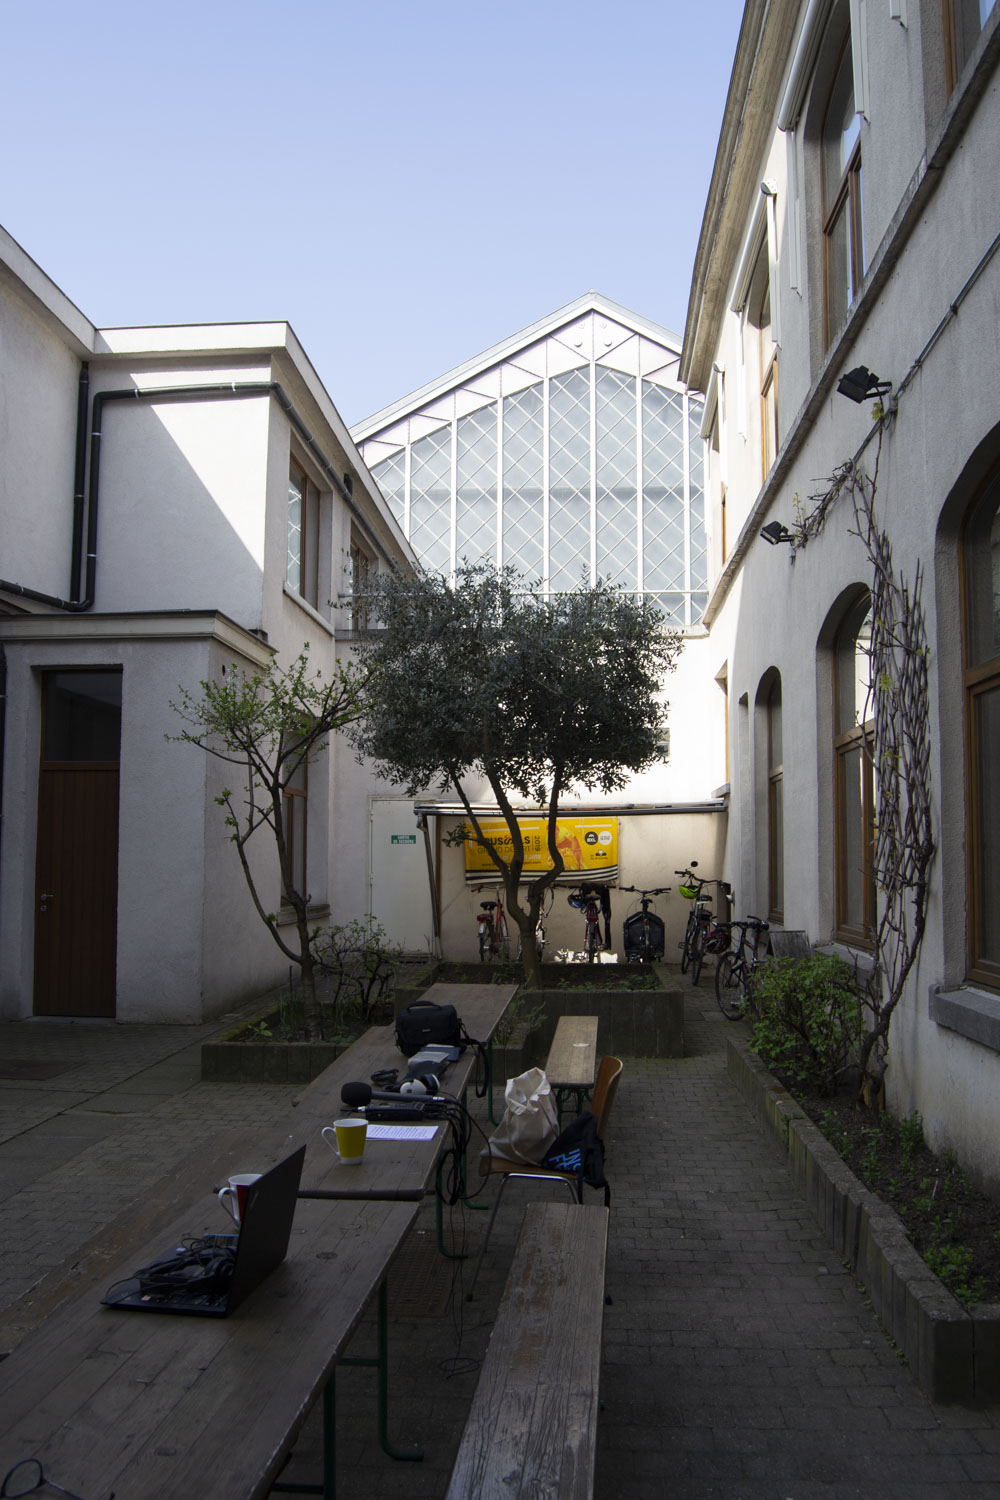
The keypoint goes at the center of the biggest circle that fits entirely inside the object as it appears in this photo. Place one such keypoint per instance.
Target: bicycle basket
(689, 892)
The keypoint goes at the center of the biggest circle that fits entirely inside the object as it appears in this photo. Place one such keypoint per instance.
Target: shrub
(810, 1023)
(361, 964)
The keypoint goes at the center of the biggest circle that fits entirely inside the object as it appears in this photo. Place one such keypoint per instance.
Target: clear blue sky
(406, 183)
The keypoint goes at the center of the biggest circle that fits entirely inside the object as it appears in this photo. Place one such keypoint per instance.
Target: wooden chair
(603, 1097)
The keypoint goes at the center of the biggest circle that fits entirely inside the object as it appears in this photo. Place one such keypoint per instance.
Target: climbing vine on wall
(899, 749)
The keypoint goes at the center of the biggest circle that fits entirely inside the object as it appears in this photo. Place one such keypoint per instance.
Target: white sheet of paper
(401, 1132)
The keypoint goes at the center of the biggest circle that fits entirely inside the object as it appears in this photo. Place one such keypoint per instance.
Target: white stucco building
(851, 222)
(172, 501)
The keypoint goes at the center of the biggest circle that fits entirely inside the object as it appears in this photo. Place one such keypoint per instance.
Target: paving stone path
(741, 1361)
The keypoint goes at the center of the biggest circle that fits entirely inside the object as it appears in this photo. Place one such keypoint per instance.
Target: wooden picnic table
(571, 1065)
(156, 1406)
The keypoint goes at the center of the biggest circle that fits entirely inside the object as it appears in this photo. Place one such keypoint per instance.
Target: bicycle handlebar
(659, 890)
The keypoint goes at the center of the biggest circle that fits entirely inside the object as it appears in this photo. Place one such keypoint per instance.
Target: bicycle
(700, 936)
(734, 973)
(642, 932)
(541, 936)
(494, 940)
(589, 899)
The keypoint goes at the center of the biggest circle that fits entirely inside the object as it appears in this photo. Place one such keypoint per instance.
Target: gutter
(83, 559)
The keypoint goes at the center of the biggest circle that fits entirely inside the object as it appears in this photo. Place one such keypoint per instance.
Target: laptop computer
(212, 1274)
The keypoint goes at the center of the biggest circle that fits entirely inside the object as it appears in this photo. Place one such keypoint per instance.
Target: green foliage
(361, 964)
(519, 1014)
(953, 1265)
(811, 1020)
(490, 675)
(272, 723)
(535, 695)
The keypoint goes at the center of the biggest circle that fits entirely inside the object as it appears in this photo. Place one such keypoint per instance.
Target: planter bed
(225, 1060)
(631, 1022)
(954, 1354)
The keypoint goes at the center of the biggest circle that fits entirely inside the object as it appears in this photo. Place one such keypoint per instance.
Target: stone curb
(954, 1355)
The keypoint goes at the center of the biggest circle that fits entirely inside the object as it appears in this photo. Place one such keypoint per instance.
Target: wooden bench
(572, 1060)
(532, 1430)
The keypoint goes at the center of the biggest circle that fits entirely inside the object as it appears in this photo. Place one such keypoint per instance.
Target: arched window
(854, 782)
(843, 229)
(981, 643)
(775, 805)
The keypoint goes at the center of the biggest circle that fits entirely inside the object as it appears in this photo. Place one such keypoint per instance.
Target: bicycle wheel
(697, 952)
(485, 946)
(593, 940)
(686, 946)
(502, 941)
(729, 987)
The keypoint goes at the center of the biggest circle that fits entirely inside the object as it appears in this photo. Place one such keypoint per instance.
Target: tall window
(765, 356)
(855, 795)
(963, 21)
(361, 566)
(981, 578)
(303, 535)
(775, 805)
(293, 809)
(843, 228)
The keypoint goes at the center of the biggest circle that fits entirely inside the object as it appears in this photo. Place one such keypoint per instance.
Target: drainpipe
(230, 391)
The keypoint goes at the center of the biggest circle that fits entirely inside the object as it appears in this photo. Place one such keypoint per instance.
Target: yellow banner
(588, 845)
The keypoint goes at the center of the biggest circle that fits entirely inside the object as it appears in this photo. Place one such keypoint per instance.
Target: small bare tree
(271, 723)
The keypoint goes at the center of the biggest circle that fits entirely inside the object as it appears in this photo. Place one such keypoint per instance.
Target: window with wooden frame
(294, 806)
(775, 805)
(302, 572)
(854, 788)
(981, 643)
(963, 23)
(362, 567)
(843, 222)
(765, 356)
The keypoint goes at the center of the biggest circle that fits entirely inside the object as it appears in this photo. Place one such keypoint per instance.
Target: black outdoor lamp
(774, 533)
(861, 385)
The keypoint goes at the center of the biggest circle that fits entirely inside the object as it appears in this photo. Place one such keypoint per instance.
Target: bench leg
(381, 1364)
(328, 1489)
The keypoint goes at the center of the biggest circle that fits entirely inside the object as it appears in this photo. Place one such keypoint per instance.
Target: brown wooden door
(76, 864)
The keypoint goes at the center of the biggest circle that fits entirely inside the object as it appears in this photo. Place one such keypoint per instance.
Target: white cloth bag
(529, 1124)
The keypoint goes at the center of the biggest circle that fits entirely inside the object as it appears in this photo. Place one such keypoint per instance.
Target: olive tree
(538, 695)
(271, 723)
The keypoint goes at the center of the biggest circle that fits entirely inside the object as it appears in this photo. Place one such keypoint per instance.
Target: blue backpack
(579, 1149)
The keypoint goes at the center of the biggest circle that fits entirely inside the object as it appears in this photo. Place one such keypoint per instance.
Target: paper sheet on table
(401, 1132)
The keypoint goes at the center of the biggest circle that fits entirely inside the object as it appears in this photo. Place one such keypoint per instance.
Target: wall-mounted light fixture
(774, 533)
(861, 385)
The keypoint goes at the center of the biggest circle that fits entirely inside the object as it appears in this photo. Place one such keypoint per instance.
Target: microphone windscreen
(356, 1095)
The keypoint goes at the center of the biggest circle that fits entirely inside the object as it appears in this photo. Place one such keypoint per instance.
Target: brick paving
(741, 1362)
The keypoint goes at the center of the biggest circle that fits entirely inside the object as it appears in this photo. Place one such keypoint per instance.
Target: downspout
(423, 825)
(77, 603)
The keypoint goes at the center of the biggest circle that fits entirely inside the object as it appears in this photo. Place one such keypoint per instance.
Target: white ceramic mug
(346, 1139)
(234, 1197)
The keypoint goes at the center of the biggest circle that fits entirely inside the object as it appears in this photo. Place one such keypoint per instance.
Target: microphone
(358, 1095)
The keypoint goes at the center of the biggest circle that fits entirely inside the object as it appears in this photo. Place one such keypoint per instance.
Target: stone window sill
(972, 1013)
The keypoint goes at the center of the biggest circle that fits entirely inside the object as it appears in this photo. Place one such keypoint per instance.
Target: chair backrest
(605, 1089)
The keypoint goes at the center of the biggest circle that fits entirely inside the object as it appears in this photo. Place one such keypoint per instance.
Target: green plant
(261, 1031)
(271, 724)
(810, 1024)
(361, 964)
(519, 1014)
(910, 1134)
(952, 1264)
